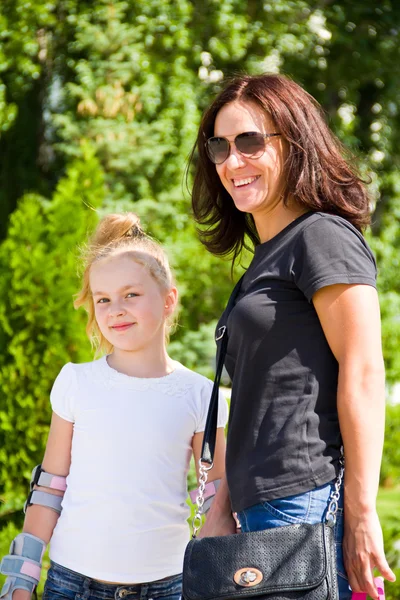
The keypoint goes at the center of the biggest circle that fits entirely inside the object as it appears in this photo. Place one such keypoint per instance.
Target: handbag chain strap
(331, 513)
(203, 475)
(335, 495)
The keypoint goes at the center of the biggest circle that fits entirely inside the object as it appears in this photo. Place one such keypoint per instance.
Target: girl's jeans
(309, 507)
(63, 584)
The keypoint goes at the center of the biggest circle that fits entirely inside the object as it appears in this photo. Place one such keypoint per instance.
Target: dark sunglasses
(251, 144)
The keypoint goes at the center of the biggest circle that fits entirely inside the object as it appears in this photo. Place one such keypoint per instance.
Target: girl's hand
(363, 551)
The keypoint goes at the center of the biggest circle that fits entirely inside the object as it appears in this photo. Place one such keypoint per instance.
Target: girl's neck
(137, 364)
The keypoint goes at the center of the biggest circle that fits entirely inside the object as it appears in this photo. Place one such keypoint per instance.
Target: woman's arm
(219, 518)
(39, 520)
(350, 318)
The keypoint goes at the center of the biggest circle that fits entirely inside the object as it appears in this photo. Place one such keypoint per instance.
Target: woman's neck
(269, 225)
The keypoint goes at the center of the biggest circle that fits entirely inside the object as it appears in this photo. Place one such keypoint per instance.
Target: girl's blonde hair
(119, 234)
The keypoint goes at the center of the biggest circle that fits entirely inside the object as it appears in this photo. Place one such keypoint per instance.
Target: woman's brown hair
(317, 174)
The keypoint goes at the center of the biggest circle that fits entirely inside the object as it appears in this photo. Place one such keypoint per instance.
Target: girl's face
(255, 185)
(130, 306)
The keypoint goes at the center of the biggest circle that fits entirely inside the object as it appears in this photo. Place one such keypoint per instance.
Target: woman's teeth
(240, 182)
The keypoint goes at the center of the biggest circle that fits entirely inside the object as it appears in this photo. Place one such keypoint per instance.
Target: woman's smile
(244, 181)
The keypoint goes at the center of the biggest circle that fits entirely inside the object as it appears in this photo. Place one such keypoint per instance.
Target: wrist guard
(23, 565)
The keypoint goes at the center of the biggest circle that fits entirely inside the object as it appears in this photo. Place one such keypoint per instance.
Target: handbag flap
(290, 558)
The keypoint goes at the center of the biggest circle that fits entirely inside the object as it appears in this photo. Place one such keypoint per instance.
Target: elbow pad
(54, 482)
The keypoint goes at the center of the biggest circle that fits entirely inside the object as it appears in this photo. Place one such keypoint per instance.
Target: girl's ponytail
(113, 228)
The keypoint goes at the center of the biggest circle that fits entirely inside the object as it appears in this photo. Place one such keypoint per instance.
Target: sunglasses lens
(250, 144)
(217, 149)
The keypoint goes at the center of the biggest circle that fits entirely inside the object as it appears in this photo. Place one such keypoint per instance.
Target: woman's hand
(363, 551)
(218, 523)
(219, 519)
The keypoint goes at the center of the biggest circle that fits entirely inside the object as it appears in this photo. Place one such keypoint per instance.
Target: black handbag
(286, 563)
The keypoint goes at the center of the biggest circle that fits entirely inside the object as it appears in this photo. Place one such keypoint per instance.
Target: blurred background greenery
(99, 106)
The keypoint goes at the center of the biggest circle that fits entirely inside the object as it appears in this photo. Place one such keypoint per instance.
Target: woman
(304, 351)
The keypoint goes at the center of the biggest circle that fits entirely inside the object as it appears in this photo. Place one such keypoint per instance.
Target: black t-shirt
(283, 435)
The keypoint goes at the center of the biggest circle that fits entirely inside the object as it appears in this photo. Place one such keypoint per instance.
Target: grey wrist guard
(23, 565)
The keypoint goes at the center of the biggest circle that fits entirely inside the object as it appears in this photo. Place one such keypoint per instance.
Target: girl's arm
(219, 456)
(39, 520)
(350, 318)
(219, 518)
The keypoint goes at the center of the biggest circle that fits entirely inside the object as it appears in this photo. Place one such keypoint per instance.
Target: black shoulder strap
(210, 431)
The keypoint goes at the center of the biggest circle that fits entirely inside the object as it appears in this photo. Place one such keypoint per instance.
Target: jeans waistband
(78, 583)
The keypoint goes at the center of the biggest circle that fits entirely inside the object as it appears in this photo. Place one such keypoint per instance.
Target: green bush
(40, 330)
(196, 349)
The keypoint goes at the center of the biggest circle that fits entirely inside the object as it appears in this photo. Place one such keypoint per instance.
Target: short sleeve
(205, 402)
(330, 250)
(62, 395)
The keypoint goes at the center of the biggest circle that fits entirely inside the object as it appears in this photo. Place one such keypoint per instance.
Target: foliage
(388, 502)
(390, 469)
(197, 349)
(386, 248)
(40, 331)
(24, 56)
(391, 536)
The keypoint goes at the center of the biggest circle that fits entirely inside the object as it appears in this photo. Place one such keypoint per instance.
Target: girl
(122, 433)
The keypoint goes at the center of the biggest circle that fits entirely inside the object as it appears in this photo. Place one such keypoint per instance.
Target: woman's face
(255, 185)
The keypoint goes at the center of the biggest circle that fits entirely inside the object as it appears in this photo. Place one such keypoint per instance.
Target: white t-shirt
(124, 511)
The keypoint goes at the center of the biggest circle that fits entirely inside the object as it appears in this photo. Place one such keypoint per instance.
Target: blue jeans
(309, 507)
(62, 583)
